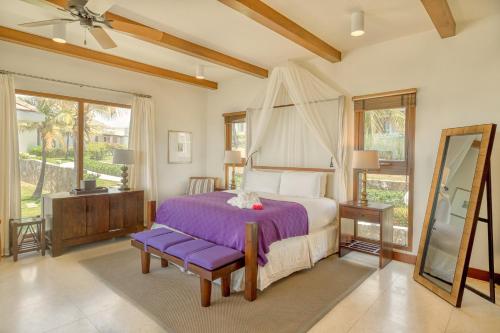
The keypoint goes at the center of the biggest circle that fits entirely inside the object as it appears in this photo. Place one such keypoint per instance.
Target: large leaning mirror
(460, 175)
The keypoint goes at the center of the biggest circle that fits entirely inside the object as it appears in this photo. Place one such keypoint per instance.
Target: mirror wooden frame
(481, 174)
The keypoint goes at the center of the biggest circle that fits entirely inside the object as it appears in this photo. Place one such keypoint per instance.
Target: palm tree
(59, 124)
(49, 130)
(69, 125)
(383, 123)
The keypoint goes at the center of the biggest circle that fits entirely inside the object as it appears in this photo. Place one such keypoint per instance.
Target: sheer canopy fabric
(309, 132)
(457, 151)
(142, 142)
(10, 180)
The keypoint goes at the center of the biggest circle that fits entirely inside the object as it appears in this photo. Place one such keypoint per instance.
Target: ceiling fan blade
(46, 22)
(100, 6)
(102, 38)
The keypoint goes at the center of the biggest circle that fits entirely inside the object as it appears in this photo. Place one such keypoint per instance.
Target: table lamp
(365, 160)
(232, 157)
(125, 157)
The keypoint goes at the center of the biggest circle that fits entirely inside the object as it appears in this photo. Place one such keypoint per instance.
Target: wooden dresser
(80, 219)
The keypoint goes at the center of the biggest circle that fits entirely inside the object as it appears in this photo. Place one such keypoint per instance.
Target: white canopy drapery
(315, 106)
(458, 148)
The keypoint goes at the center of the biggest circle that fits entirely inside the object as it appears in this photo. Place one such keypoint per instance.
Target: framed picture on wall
(179, 147)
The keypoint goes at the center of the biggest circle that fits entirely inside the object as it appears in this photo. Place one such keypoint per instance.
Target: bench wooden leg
(206, 291)
(226, 285)
(164, 262)
(145, 261)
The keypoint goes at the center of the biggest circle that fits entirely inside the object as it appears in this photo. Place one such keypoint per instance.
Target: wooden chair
(199, 185)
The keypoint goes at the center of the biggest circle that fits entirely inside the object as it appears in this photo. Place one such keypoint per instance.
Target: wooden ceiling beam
(46, 44)
(441, 16)
(157, 37)
(274, 20)
(163, 39)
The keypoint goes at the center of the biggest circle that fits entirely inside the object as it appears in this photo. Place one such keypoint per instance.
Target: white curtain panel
(292, 84)
(142, 142)
(10, 181)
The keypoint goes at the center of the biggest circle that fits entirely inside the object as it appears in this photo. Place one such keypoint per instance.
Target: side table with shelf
(373, 212)
(27, 235)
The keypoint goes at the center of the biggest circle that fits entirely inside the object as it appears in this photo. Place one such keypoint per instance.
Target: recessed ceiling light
(200, 72)
(59, 33)
(357, 23)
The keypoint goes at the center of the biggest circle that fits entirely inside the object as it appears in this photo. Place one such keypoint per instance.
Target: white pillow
(303, 184)
(261, 181)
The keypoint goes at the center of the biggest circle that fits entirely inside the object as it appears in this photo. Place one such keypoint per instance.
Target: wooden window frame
(229, 119)
(393, 99)
(80, 118)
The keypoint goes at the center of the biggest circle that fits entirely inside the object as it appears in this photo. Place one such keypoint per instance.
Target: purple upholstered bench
(208, 260)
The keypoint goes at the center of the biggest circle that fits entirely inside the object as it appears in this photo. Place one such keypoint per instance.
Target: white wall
(458, 81)
(232, 95)
(178, 106)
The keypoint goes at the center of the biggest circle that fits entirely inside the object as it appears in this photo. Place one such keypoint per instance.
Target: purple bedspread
(209, 217)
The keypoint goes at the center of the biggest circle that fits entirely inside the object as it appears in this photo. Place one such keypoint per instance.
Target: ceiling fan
(90, 15)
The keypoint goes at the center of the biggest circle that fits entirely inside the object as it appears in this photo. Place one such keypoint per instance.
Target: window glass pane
(105, 128)
(238, 137)
(384, 130)
(390, 189)
(47, 142)
(238, 176)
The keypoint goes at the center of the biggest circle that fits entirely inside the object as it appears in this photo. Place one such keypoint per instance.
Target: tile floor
(44, 294)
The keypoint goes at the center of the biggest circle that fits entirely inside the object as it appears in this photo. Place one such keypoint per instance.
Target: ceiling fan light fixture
(357, 23)
(200, 72)
(59, 33)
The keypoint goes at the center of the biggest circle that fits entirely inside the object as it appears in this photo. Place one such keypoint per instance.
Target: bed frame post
(151, 214)
(251, 268)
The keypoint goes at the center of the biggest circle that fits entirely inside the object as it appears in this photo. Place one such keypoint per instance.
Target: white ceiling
(212, 24)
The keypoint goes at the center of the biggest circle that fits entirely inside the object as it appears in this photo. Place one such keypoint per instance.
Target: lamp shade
(123, 156)
(232, 157)
(365, 159)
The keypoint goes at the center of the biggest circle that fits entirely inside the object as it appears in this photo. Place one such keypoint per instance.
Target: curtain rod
(312, 102)
(73, 83)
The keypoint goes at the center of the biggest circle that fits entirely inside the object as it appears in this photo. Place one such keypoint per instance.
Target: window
(386, 123)
(49, 144)
(235, 132)
(105, 128)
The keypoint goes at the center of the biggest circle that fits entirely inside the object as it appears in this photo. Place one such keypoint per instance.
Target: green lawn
(29, 207)
(107, 183)
(54, 160)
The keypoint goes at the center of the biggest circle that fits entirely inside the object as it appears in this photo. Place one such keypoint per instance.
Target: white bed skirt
(288, 256)
(291, 255)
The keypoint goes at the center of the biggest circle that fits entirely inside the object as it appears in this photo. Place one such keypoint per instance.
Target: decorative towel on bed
(208, 216)
(244, 200)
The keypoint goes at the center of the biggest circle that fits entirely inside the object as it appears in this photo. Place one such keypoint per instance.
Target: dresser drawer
(367, 215)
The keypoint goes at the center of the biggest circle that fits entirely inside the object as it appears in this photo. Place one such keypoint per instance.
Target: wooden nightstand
(373, 212)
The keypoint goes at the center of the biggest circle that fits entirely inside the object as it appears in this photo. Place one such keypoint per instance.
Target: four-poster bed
(297, 228)
(265, 262)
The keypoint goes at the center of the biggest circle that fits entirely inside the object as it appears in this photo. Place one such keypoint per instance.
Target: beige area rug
(172, 298)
